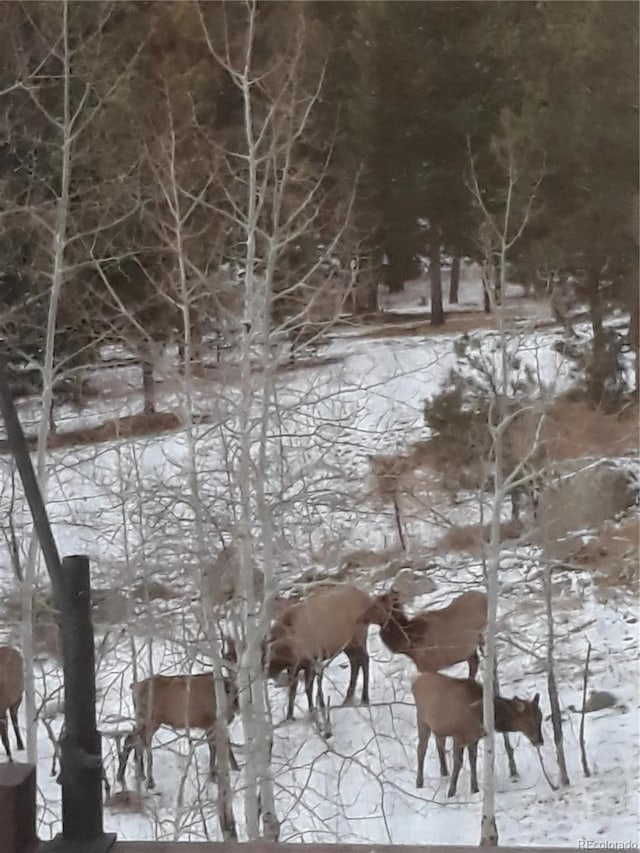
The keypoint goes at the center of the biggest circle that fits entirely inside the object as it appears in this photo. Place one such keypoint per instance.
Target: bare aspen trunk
(250, 675)
(497, 232)
(486, 293)
(267, 178)
(263, 722)
(226, 816)
(583, 710)
(488, 827)
(48, 375)
(556, 714)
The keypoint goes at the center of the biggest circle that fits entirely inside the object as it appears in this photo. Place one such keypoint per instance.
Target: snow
(123, 504)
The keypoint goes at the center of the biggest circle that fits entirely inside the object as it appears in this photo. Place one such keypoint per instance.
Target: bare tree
(499, 232)
(66, 127)
(260, 191)
(54, 76)
(556, 713)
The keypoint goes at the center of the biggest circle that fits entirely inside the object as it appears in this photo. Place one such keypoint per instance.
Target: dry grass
(574, 429)
(612, 554)
(472, 537)
(152, 590)
(570, 430)
(128, 802)
(131, 426)
(399, 325)
(365, 558)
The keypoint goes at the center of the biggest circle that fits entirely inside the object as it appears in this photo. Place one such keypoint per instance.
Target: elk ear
(536, 699)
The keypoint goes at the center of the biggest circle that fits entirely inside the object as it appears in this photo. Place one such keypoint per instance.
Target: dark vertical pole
(81, 760)
(18, 445)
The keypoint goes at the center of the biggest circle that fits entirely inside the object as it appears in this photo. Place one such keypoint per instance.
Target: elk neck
(504, 715)
(394, 632)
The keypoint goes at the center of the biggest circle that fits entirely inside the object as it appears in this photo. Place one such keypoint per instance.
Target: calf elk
(315, 630)
(11, 690)
(180, 702)
(452, 707)
(433, 639)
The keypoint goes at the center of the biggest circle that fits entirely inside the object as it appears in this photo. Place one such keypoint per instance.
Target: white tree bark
(499, 231)
(65, 128)
(273, 208)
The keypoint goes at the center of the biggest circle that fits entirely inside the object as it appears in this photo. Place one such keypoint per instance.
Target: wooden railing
(18, 832)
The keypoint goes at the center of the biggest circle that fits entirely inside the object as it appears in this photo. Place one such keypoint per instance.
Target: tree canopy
(399, 93)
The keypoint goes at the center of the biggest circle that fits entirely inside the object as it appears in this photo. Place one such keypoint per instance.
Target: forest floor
(122, 502)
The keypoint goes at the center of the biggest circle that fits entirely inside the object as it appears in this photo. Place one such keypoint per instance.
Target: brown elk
(180, 702)
(11, 690)
(316, 630)
(452, 707)
(433, 639)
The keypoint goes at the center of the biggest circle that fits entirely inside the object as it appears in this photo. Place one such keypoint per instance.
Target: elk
(452, 707)
(433, 639)
(315, 630)
(11, 690)
(180, 702)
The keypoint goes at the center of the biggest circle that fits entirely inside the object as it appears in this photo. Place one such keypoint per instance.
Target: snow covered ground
(123, 504)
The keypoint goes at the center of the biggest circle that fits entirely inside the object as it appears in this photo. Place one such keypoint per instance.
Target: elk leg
(127, 746)
(293, 686)
(4, 736)
(232, 760)
(13, 710)
(359, 660)
(151, 782)
(130, 742)
(458, 752)
(365, 677)
(474, 662)
(355, 663)
(309, 678)
(513, 770)
(424, 733)
(318, 669)
(212, 756)
(473, 764)
(442, 755)
(105, 782)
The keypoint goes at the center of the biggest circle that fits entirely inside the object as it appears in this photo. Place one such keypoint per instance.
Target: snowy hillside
(121, 504)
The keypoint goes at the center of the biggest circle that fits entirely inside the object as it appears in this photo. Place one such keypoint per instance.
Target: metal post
(80, 744)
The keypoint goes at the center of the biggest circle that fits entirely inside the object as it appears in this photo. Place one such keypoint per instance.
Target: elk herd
(304, 638)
